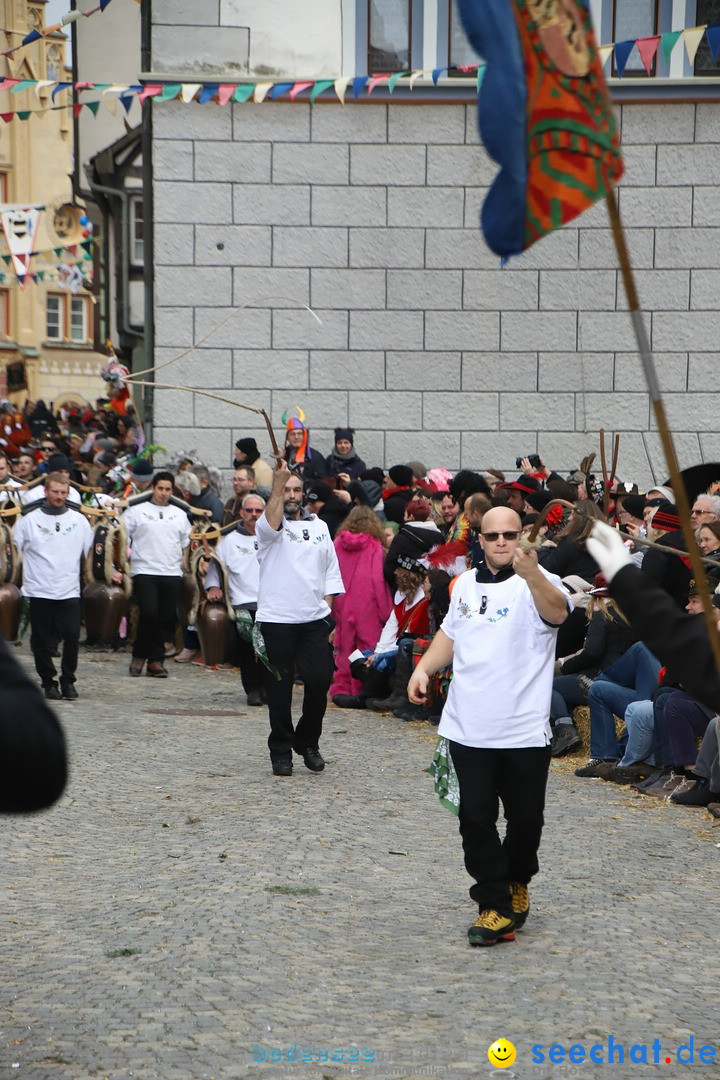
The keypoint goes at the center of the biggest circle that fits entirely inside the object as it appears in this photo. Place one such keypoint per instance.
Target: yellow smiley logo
(502, 1054)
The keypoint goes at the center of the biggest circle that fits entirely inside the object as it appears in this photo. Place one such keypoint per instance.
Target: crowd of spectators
(401, 535)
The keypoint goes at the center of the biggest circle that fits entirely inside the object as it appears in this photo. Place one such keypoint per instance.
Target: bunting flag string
(78, 252)
(309, 89)
(48, 31)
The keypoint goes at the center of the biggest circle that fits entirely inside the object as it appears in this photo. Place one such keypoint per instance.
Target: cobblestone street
(181, 913)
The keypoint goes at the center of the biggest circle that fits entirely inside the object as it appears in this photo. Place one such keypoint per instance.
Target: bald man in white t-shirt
(499, 635)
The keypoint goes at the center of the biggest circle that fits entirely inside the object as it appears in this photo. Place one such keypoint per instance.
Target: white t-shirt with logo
(503, 664)
(239, 553)
(298, 569)
(158, 536)
(53, 547)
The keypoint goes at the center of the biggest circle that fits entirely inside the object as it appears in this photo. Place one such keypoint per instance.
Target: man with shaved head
(499, 635)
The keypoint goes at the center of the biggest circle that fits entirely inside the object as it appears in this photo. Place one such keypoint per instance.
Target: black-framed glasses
(47, 447)
(511, 534)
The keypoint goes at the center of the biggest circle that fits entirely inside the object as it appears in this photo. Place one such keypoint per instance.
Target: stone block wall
(368, 213)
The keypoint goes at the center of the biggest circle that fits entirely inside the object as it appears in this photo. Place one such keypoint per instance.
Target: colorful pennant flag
(557, 143)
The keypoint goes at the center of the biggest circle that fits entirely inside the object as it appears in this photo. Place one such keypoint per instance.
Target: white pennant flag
(20, 225)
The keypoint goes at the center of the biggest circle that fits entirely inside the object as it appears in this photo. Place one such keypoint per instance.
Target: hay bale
(581, 720)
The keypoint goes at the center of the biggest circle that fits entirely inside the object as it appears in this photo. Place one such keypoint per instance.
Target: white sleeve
(88, 537)
(19, 534)
(334, 585)
(129, 521)
(212, 577)
(186, 530)
(388, 638)
(266, 534)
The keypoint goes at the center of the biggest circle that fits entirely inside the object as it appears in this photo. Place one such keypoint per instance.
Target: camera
(534, 460)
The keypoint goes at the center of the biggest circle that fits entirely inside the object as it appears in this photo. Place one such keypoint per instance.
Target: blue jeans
(631, 678)
(640, 724)
(566, 694)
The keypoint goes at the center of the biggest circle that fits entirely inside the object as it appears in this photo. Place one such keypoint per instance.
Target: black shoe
(350, 701)
(69, 692)
(410, 712)
(700, 795)
(566, 739)
(282, 766)
(656, 777)
(312, 757)
(591, 769)
(254, 698)
(52, 692)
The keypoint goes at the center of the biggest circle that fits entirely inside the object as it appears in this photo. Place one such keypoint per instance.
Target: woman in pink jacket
(363, 610)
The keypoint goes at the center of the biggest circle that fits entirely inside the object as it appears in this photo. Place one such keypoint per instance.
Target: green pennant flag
(170, 91)
(58, 252)
(24, 84)
(668, 42)
(243, 92)
(24, 115)
(41, 275)
(319, 88)
(394, 78)
(480, 76)
(6, 259)
(93, 106)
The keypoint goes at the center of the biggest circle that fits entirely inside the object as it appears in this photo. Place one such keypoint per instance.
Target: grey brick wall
(369, 214)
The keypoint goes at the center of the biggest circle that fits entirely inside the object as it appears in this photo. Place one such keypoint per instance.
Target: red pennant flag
(374, 82)
(7, 116)
(77, 108)
(298, 89)
(9, 83)
(148, 92)
(225, 92)
(648, 47)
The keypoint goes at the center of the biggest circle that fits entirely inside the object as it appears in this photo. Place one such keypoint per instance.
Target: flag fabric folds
(544, 115)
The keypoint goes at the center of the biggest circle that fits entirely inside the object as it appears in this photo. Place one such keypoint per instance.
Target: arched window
(53, 63)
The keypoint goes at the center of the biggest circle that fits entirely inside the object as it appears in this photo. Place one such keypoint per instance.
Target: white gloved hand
(607, 549)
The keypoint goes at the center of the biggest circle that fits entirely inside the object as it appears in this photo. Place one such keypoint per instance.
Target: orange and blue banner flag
(544, 115)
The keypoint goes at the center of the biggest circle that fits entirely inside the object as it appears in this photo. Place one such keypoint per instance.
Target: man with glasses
(237, 550)
(705, 508)
(499, 635)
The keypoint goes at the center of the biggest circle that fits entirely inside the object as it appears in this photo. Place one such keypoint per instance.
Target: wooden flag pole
(681, 499)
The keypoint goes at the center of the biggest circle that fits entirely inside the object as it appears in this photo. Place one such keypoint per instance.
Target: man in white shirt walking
(237, 550)
(299, 575)
(54, 538)
(499, 635)
(158, 532)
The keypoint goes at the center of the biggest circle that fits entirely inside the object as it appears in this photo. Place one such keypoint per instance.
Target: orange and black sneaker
(491, 927)
(520, 903)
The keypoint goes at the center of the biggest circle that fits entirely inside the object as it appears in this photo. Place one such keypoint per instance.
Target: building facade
(368, 213)
(46, 330)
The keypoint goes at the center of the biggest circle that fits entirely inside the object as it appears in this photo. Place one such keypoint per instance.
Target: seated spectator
(634, 677)
(475, 508)
(436, 587)
(449, 510)
(708, 538)
(367, 493)
(247, 453)
(24, 470)
(397, 492)
(343, 462)
(418, 535)
(307, 463)
(331, 506)
(568, 556)
(608, 637)
(667, 569)
(364, 608)
(243, 483)
(207, 499)
(408, 619)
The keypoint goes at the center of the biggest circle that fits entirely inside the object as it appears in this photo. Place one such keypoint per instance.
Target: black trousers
(157, 598)
(52, 621)
(517, 778)
(304, 646)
